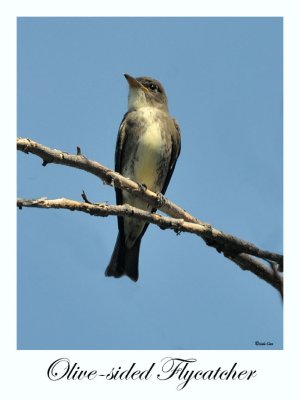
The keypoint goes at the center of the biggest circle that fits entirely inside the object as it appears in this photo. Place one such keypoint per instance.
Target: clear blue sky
(223, 77)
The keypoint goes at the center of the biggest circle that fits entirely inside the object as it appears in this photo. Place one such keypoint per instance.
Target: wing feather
(176, 147)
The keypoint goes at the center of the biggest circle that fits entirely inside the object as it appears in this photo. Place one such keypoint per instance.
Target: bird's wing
(121, 139)
(120, 143)
(176, 147)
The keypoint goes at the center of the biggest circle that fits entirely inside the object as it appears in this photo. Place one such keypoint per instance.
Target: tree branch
(107, 175)
(235, 249)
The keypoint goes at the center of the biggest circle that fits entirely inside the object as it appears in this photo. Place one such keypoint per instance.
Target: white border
(24, 372)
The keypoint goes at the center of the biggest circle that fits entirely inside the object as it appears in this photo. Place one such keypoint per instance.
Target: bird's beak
(134, 83)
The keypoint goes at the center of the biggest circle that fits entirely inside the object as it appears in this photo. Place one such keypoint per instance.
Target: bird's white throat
(136, 99)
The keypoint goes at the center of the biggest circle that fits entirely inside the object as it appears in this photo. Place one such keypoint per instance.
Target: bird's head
(145, 92)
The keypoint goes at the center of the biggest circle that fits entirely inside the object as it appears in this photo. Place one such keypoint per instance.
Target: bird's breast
(151, 151)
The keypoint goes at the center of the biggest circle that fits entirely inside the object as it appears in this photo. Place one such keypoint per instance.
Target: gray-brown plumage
(147, 149)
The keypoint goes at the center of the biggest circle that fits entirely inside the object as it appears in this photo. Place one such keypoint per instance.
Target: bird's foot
(160, 200)
(142, 187)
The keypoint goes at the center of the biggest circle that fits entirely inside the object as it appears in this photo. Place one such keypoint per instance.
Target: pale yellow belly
(149, 153)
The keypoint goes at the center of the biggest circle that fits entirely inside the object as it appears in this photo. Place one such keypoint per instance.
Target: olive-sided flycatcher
(147, 149)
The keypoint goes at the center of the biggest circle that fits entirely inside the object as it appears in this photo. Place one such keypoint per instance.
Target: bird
(148, 146)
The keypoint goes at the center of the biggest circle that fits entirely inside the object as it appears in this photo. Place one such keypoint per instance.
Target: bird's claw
(142, 187)
(160, 199)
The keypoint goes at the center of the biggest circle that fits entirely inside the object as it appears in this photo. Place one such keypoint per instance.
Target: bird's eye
(153, 87)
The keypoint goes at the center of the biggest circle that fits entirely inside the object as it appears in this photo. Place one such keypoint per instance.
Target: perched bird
(147, 149)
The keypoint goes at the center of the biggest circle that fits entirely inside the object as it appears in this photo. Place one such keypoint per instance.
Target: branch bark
(107, 175)
(237, 250)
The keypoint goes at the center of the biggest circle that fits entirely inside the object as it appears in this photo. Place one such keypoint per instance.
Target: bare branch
(239, 251)
(248, 263)
(107, 175)
(244, 261)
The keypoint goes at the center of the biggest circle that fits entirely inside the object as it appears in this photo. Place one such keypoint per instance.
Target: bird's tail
(124, 261)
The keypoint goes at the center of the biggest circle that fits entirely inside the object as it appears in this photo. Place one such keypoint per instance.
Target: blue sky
(223, 77)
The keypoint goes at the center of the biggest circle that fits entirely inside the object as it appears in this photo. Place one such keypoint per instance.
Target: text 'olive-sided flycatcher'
(147, 149)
